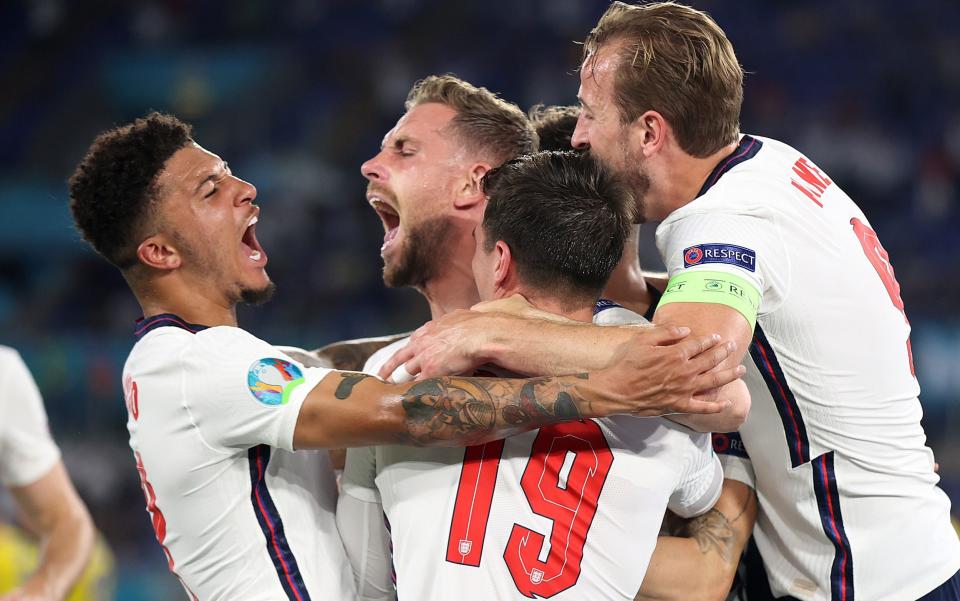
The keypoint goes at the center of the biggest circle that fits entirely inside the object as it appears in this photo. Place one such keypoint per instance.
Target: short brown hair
(113, 190)
(677, 61)
(554, 125)
(485, 122)
(565, 218)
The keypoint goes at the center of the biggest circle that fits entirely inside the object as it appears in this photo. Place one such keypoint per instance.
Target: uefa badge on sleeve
(272, 380)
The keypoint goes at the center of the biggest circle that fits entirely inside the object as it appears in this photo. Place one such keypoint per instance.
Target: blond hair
(485, 122)
(675, 60)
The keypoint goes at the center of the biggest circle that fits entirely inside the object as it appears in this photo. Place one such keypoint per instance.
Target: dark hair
(485, 122)
(113, 189)
(554, 125)
(675, 60)
(565, 219)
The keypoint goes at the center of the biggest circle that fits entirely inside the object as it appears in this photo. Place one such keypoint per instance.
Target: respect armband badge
(728, 254)
(714, 287)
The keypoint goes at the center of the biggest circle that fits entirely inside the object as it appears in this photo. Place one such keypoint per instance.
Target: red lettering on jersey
(571, 505)
(880, 260)
(471, 510)
(813, 182)
(158, 522)
(131, 397)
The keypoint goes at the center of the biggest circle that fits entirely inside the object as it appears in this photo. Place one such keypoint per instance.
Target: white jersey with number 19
(849, 507)
(570, 511)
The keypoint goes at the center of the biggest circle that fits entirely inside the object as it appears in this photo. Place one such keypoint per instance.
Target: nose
(580, 139)
(373, 169)
(246, 192)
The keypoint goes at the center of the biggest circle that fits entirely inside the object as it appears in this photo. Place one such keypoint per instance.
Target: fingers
(708, 384)
(399, 358)
(411, 370)
(702, 407)
(711, 357)
(663, 335)
(697, 345)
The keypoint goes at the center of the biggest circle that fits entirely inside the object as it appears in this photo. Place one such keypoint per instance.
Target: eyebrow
(214, 175)
(398, 140)
(582, 102)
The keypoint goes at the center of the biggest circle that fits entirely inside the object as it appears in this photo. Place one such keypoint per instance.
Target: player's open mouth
(249, 245)
(389, 217)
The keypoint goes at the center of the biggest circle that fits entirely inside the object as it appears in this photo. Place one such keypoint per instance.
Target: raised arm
(701, 562)
(453, 410)
(57, 515)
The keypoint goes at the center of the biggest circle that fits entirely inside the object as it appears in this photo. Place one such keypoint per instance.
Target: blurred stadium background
(295, 95)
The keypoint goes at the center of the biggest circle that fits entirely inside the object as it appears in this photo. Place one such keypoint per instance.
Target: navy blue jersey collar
(146, 324)
(745, 150)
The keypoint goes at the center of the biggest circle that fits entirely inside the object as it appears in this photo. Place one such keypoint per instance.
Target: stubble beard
(634, 175)
(211, 266)
(424, 248)
(258, 296)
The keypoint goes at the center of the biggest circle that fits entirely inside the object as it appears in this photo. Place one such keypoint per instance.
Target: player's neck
(199, 306)
(687, 174)
(627, 285)
(452, 290)
(551, 304)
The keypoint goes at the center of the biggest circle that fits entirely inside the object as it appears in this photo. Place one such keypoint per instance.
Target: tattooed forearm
(348, 381)
(469, 410)
(714, 531)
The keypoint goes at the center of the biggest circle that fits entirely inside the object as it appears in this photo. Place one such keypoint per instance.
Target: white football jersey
(849, 503)
(238, 513)
(570, 511)
(27, 451)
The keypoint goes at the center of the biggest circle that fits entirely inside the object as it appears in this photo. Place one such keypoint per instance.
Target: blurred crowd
(295, 95)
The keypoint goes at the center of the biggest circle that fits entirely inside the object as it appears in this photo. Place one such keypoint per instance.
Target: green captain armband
(715, 287)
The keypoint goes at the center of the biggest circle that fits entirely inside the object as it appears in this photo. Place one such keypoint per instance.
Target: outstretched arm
(530, 343)
(702, 561)
(57, 515)
(454, 410)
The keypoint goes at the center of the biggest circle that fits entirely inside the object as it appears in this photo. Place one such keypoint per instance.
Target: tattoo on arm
(474, 409)
(713, 530)
(347, 382)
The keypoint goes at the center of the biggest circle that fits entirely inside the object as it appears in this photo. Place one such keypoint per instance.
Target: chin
(258, 295)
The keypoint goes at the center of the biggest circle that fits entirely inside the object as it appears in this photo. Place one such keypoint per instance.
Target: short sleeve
(744, 245)
(242, 392)
(701, 482)
(734, 458)
(360, 473)
(27, 451)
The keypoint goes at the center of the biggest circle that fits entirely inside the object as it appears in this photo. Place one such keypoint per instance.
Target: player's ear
(158, 253)
(471, 193)
(504, 266)
(649, 131)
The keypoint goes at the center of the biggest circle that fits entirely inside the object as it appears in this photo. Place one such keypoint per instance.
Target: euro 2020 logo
(272, 380)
